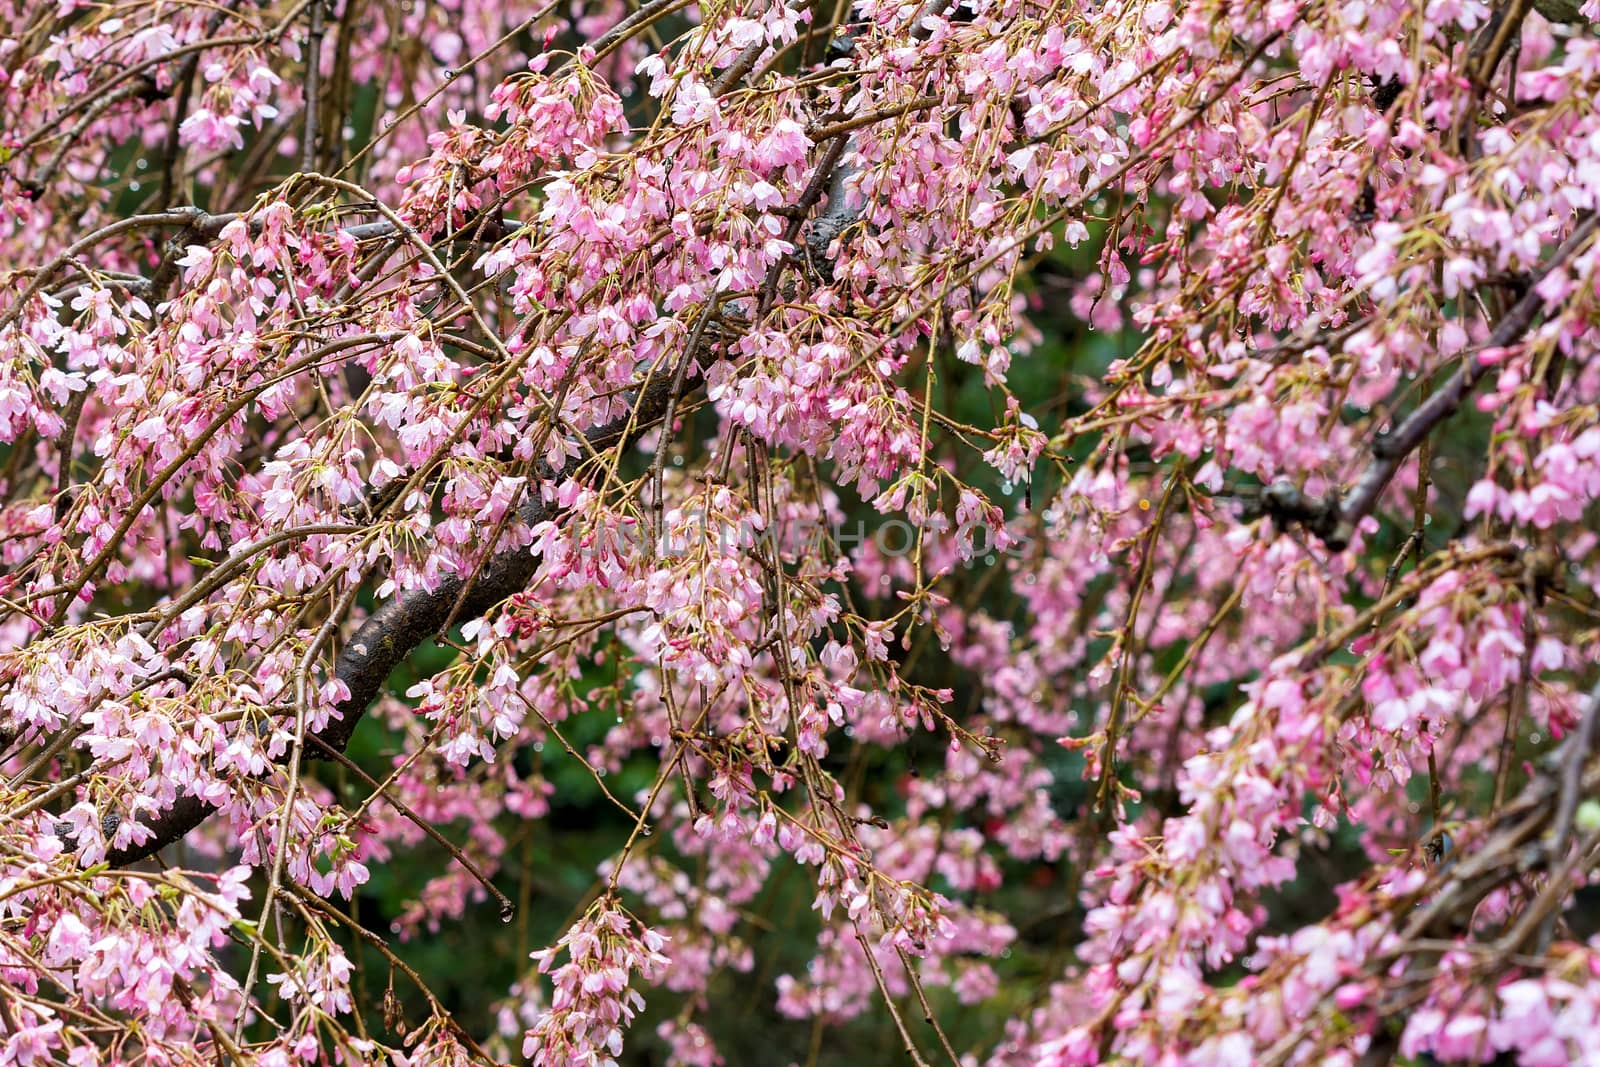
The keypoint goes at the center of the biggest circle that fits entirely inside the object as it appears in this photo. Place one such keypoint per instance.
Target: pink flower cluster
(1226, 372)
(593, 1001)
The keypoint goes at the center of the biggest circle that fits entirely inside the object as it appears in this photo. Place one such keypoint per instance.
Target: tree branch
(1334, 520)
(390, 634)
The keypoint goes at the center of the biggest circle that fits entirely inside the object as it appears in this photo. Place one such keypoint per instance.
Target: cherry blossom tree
(1100, 496)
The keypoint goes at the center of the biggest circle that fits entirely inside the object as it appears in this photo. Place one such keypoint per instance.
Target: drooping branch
(391, 633)
(1334, 519)
(1428, 919)
(394, 631)
(197, 224)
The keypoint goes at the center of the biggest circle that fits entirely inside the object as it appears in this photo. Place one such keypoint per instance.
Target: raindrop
(508, 911)
(677, 461)
(988, 560)
(1535, 738)
(601, 772)
(619, 719)
(134, 186)
(538, 746)
(646, 830)
(142, 164)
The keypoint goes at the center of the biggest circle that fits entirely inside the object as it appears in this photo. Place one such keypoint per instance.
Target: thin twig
(1391, 451)
(507, 909)
(888, 1000)
(308, 150)
(302, 709)
(674, 391)
(1574, 754)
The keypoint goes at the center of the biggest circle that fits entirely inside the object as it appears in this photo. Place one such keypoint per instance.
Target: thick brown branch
(1334, 520)
(392, 632)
